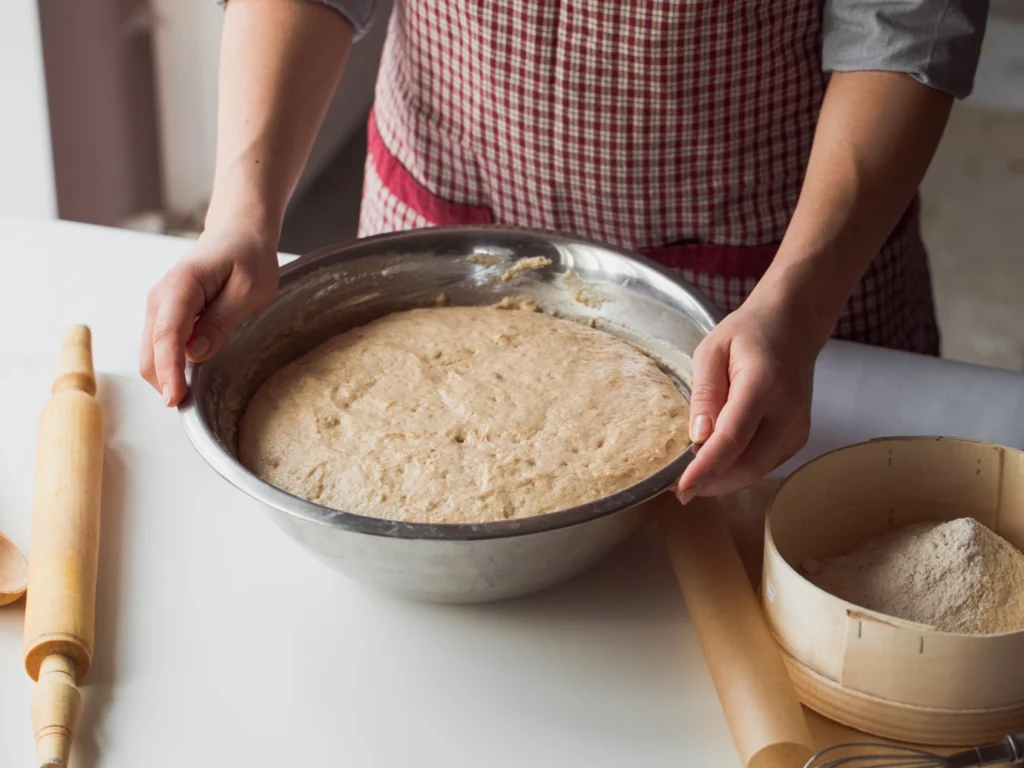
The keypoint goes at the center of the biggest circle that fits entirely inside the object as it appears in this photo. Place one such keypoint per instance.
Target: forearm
(875, 138)
(280, 64)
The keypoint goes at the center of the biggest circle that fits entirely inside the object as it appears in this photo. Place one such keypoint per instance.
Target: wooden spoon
(13, 571)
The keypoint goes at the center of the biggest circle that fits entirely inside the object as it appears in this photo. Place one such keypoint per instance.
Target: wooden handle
(64, 548)
(56, 703)
(75, 371)
(764, 716)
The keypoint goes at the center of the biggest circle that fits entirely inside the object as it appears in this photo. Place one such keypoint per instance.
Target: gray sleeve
(358, 12)
(937, 42)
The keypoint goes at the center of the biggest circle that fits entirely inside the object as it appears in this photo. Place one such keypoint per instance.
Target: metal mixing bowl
(342, 287)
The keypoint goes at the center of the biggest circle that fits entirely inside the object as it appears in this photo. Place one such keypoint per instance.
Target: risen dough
(464, 414)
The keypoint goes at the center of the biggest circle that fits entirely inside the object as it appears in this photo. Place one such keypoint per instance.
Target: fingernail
(685, 497)
(199, 346)
(167, 396)
(701, 429)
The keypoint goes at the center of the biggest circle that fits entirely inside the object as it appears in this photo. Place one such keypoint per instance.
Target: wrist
(805, 295)
(244, 199)
(247, 215)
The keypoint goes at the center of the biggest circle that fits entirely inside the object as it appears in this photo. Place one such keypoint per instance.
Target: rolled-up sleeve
(937, 42)
(358, 12)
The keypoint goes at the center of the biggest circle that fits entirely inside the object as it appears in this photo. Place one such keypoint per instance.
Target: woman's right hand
(280, 66)
(230, 273)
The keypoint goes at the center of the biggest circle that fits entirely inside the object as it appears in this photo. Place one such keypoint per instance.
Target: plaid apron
(680, 130)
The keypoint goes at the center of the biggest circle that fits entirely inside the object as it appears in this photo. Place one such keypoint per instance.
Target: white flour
(957, 577)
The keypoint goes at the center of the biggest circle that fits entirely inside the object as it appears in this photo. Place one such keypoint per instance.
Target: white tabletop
(221, 643)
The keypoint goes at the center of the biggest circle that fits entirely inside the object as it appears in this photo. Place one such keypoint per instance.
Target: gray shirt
(937, 42)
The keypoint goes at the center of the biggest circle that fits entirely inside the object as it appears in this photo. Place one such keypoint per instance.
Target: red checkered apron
(680, 130)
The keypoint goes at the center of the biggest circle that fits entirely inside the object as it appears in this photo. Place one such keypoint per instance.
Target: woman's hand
(280, 66)
(229, 274)
(750, 407)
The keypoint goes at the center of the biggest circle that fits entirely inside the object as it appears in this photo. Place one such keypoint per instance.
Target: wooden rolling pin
(64, 549)
(766, 720)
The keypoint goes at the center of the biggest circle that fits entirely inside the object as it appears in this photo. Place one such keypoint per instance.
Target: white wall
(187, 41)
(26, 162)
(999, 84)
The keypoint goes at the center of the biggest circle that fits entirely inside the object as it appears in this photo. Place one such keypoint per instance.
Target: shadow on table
(99, 684)
(609, 637)
(634, 583)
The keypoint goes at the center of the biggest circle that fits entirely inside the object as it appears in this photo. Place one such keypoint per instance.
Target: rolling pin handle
(75, 369)
(56, 704)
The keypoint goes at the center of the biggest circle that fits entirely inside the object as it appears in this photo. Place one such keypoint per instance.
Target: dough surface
(464, 415)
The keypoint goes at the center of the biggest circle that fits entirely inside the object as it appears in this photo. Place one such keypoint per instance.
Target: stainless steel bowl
(338, 288)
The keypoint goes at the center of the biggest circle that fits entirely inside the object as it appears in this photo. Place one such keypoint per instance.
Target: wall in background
(187, 42)
(99, 79)
(27, 185)
(186, 39)
(1008, 9)
(999, 84)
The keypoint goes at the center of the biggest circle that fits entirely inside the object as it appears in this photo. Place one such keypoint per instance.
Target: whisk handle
(1008, 751)
(1015, 742)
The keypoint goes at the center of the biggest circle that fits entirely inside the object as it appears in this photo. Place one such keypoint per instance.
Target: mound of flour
(956, 576)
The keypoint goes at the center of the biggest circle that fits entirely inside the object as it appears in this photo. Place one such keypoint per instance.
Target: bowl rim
(209, 447)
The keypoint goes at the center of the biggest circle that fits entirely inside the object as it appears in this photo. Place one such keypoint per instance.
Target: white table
(221, 643)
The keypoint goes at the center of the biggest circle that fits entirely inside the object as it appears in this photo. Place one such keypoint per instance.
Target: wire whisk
(1009, 751)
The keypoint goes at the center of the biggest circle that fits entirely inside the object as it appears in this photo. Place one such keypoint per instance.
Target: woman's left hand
(750, 406)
